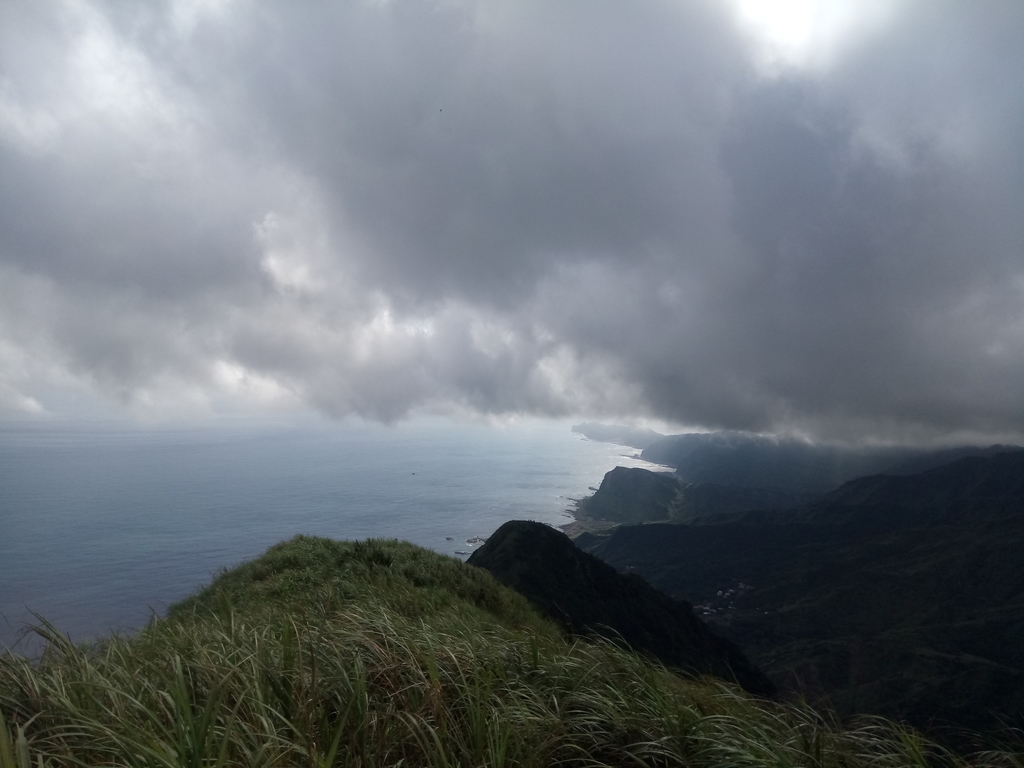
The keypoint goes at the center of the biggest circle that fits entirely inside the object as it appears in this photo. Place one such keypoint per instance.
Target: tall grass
(383, 678)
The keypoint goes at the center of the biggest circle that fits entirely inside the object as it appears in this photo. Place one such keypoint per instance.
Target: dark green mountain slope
(633, 496)
(993, 480)
(638, 495)
(901, 596)
(588, 597)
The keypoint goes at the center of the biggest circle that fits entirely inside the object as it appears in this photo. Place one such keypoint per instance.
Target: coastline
(581, 524)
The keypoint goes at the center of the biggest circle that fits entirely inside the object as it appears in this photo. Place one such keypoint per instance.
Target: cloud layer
(523, 207)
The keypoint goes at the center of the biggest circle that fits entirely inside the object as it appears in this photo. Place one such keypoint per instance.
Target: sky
(789, 217)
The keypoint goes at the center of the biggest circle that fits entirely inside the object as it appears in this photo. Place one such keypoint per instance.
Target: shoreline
(580, 524)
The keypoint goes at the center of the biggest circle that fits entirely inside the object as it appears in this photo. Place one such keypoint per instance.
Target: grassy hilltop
(381, 653)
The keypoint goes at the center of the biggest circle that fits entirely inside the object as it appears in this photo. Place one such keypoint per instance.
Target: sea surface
(101, 527)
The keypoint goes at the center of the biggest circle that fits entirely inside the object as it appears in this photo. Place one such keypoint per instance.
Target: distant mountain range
(634, 495)
(784, 464)
(900, 595)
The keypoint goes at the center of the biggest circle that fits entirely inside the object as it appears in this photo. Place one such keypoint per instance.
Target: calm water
(98, 528)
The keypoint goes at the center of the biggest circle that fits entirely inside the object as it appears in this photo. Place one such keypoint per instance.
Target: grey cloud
(522, 207)
(469, 147)
(872, 294)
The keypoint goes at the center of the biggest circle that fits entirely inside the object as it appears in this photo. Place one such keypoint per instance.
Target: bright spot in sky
(804, 32)
(786, 23)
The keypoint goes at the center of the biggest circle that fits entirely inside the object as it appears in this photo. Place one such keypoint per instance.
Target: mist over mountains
(783, 464)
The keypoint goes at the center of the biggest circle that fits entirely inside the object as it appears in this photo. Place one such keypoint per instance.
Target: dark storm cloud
(523, 207)
(468, 145)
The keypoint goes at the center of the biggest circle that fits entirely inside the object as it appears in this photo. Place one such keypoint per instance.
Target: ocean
(102, 527)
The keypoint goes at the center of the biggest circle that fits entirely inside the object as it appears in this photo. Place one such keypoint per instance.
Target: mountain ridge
(897, 595)
(590, 598)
